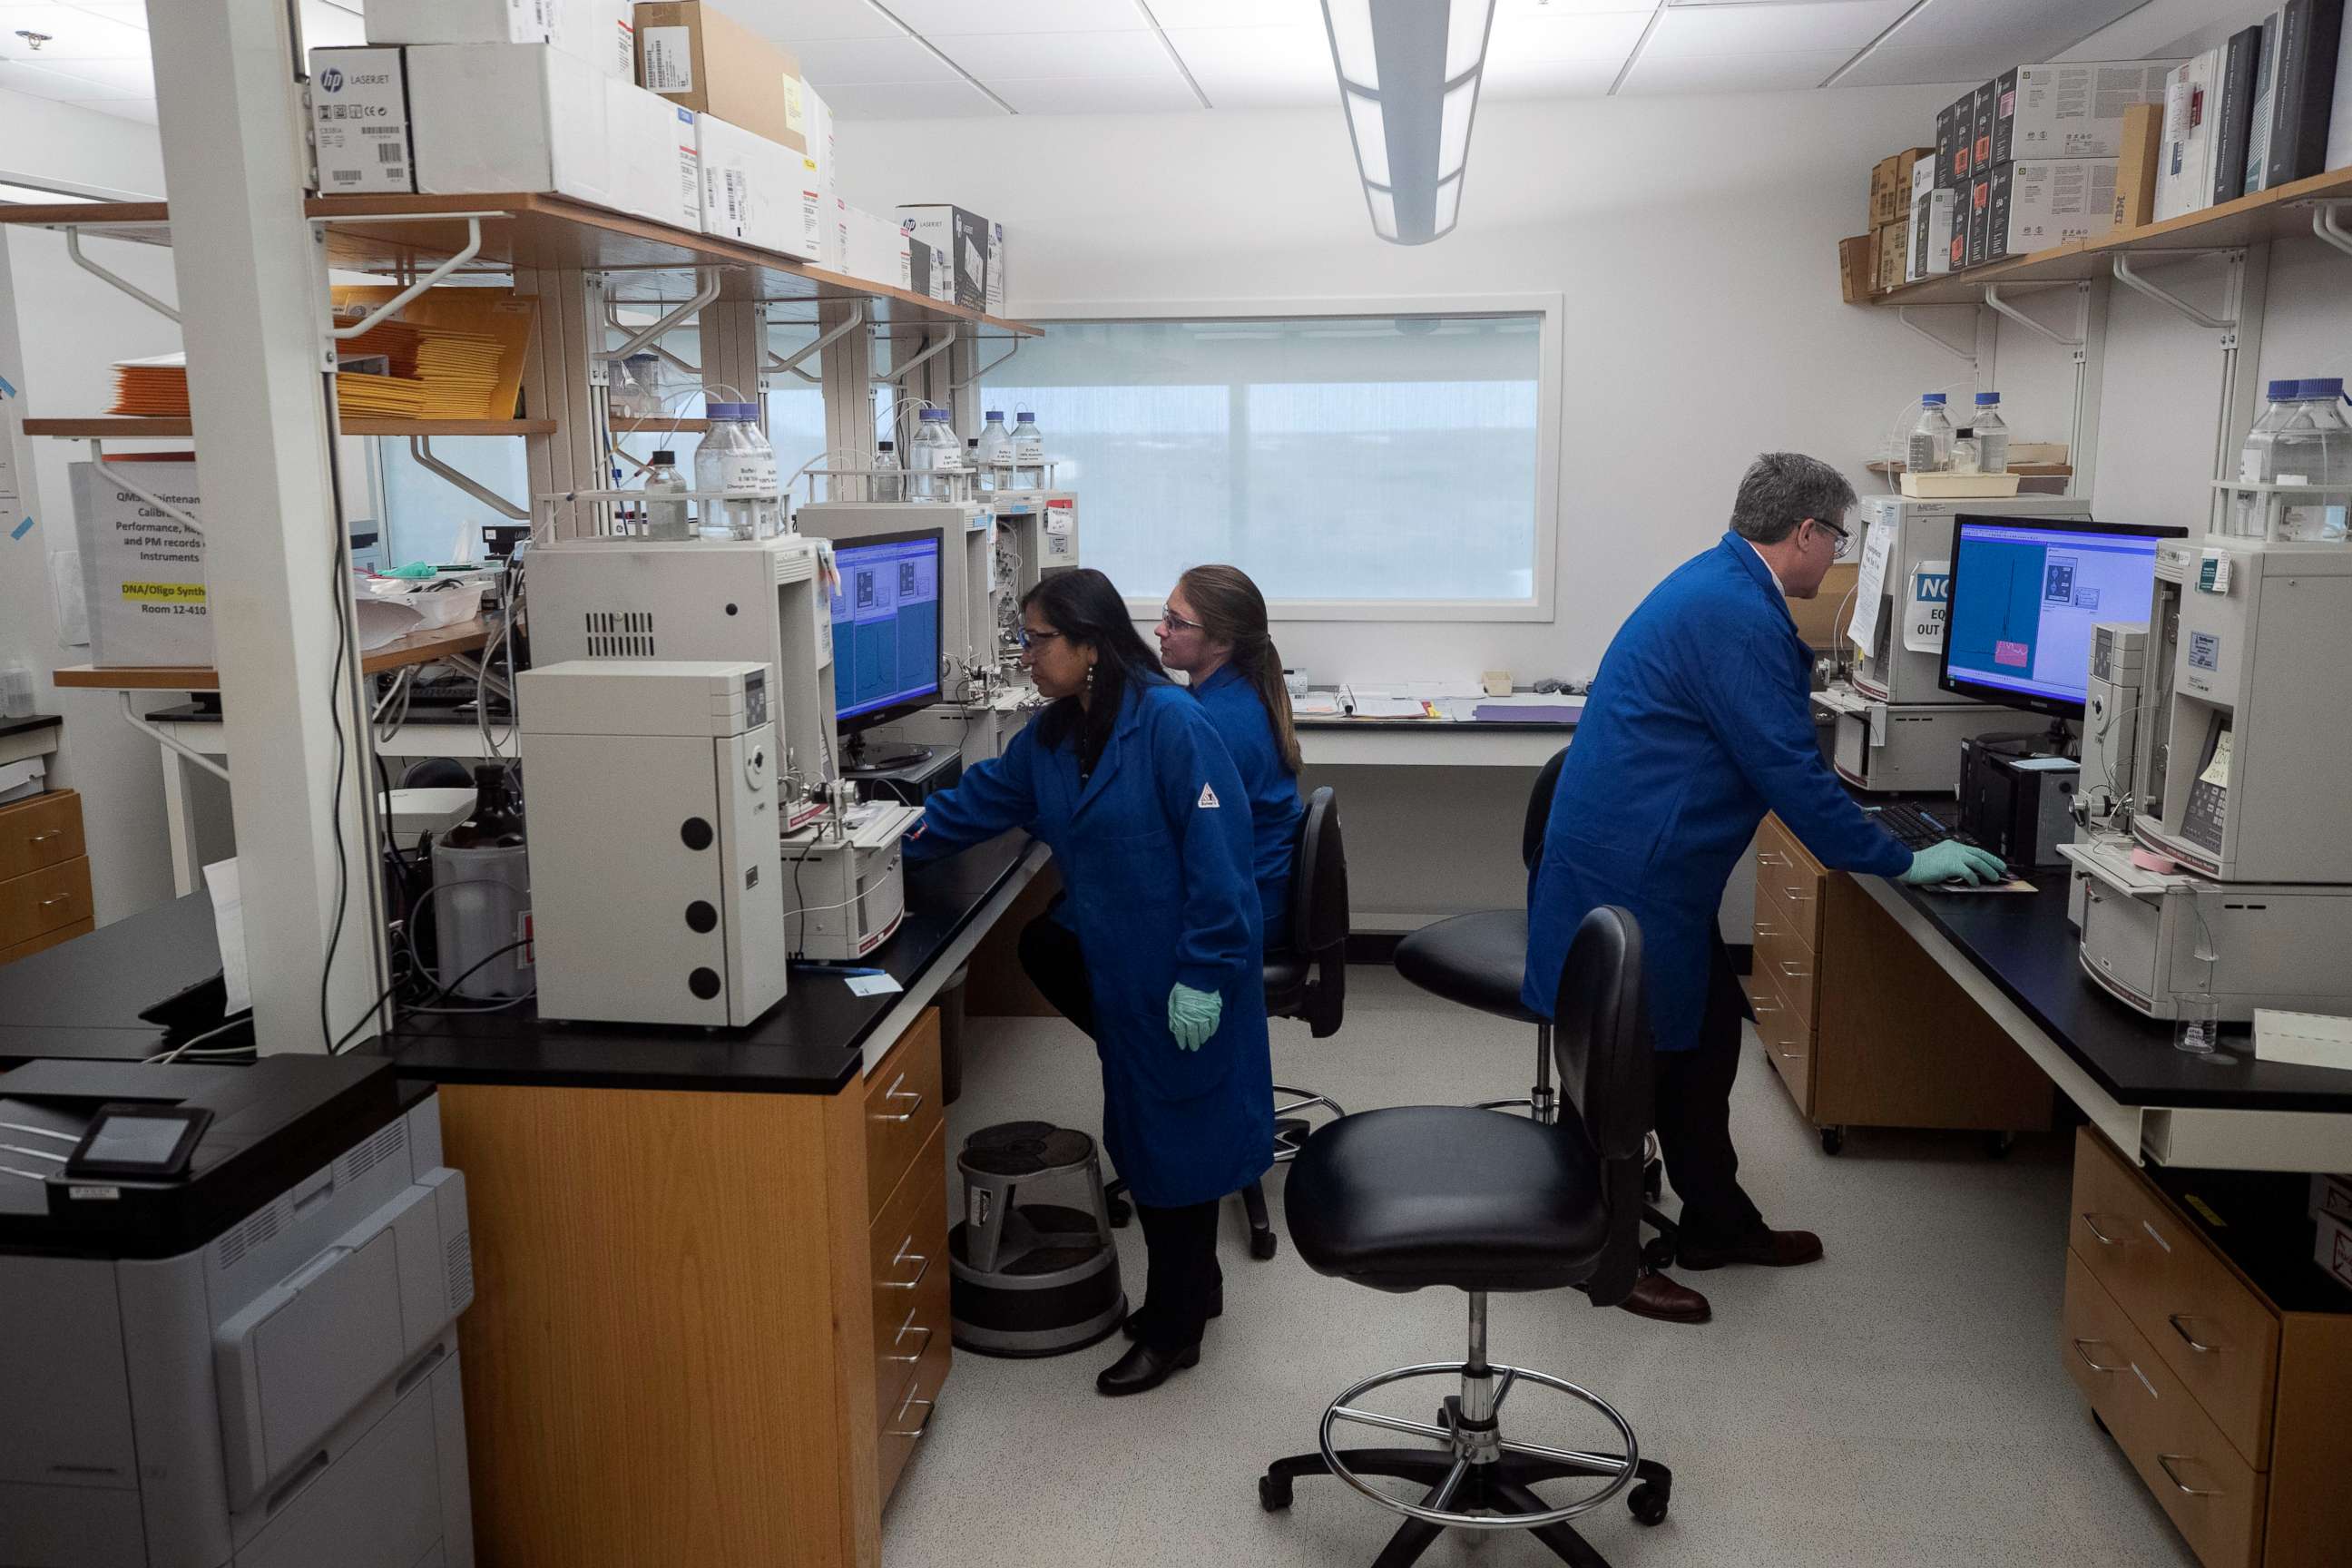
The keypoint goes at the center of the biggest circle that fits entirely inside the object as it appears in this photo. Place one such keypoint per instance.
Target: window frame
(1550, 355)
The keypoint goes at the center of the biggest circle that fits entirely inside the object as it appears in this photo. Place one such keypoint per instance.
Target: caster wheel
(1648, 1503)
(1120, 1212)
(1262, 1245)
(1659, 1254)
(1272, 1493)
(1998, 1145)
(1832, 1140)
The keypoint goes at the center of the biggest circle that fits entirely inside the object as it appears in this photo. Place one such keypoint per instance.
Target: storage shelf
(136, 427)
(416, 647)
(644, 261)
(2279, 214)
(623, 427)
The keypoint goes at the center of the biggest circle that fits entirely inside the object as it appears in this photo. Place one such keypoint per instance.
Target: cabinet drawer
(2197, 1475)
(44, 900)
(39, 832)
(1787, 886)
(1793, 971)
(1776, 917)
(1787, 1040)
(902, 1107)
(908, 1266)
(46, 939)
(2215, 1335)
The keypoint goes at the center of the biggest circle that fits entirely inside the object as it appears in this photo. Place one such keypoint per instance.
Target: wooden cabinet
(2231, 1409)
(45, 895)
(709, 1327)
(1862, 1026)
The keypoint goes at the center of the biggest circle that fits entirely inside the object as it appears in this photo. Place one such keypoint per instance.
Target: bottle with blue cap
(2314, 448)
(1930, 451)
(1028, 452)
(2255, 464)
(736, 460)
(1992, 435)
(935, 457)
(995, 453)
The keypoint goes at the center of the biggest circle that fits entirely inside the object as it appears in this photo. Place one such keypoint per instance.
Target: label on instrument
(1925, 607)
(1870, 582)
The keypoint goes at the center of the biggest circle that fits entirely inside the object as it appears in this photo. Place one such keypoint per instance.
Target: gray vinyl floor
(1899, 1403)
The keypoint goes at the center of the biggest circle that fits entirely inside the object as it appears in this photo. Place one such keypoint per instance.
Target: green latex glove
(416, 571)
(1953, 861)
(1192, 1015)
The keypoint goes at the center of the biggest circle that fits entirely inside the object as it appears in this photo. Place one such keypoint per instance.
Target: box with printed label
(877, 249)
(359, 121)
(964, 235)
(142, 570)
(655, 151)
(1890, 185)
(1892, 251)
(1979, 219)
(508, 117)
(2136, 168)
(819, 193)
(996, 284)
(752, 189)
(2072, 110)
(2037, 203)
(1931, 235)
(1980, 147)
(695, 55)
(598, 31)
(1962, 166)
(926, 266)
(1857, 268)
(2332, 1247)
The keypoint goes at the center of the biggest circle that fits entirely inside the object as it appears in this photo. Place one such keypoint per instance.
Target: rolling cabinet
(43, 874)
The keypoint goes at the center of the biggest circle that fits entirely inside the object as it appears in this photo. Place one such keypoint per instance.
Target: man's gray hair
(1780, 489)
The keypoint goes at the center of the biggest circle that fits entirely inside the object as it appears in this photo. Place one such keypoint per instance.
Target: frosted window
(1367, 459)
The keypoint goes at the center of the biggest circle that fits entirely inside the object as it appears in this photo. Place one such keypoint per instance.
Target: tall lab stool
(1032, 1279)
(1415, 1196)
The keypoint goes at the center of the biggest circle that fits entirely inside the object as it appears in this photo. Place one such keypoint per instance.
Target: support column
(253, 300)
(847, 368)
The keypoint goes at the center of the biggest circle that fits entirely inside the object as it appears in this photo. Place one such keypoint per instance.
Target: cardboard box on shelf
(1931, 235)
(2072, 110)
(2137, 167)
(1857, 268)
(752, 189)
(1890, 185)
(1963, 167)
(1947, 144)
(996, 285)
(1980, 145)
(877, 249)
(1979, 219)
(964, 235)
(695, 55)
(2036, 203)
(1923, 180)
(656, 148)
(359, 121)
(820, 197)
(597, 31)
(1892, 255)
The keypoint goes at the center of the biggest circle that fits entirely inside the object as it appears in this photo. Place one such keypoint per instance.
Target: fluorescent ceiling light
(1409, 73)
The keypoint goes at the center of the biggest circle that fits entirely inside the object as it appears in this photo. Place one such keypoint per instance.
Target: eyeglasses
(1841, 534)
(1030, 640)
(1176, 623)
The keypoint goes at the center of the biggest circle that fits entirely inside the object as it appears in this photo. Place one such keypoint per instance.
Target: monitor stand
(854, 760)
(908, 777)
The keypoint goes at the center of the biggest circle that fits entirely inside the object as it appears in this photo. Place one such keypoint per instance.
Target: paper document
(228, 924)
(1391, 708)
(2303, 1039)
(1869, 584)
(1316, 705)
(873, 985)
(2014, 885)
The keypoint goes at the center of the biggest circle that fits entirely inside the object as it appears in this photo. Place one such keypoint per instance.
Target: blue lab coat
(1241, 722)
(1155, 855)
(1697, 724)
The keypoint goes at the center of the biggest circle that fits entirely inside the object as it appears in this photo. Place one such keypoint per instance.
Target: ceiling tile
(1080, 95)
(1515, 10)
(953, 99)
(1524, 79)
(1034, 56)
(2015, 30)
(941, 18)
(854, 62)
(1892, 66)
(1566, 36)
(40, 82)
(1174, 13)
(140, 108)
(1732, 73)
(80, 34)
(1684, 32)
(109, 78)
(1259, 68)
(795, 22)
(132, 12)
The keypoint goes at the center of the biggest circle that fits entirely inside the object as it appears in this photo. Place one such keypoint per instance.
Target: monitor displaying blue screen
(2024, 597)
(885, 625)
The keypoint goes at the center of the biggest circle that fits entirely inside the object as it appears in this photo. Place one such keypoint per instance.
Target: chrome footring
(1307, 1099)
(1340, 1409)
(1503, 1104)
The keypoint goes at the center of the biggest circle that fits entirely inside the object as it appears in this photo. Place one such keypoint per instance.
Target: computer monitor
(2024, 597)
(885, 629)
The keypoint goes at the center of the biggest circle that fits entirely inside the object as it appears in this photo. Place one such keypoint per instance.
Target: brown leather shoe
(1667, 1300)
(1767, 1248)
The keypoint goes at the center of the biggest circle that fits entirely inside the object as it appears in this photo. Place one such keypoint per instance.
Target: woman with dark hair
(1124, 777)
(1213, 629)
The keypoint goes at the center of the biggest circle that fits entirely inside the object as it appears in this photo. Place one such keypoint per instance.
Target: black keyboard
(1918, 828)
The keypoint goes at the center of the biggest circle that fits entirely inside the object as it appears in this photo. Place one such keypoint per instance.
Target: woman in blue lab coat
(1213, 629)
(1124, 777)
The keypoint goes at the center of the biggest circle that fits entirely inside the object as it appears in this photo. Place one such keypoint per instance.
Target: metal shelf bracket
(2327, 229)
(115, 475)
(792, 361)
(467, 252)
(1992, 297)
(613, 320)
(899, 373)
(421, 449)
(132, 717)
(2131, 280)
(73, 250)
(974, 378)
(702, 295)
(1902, 315)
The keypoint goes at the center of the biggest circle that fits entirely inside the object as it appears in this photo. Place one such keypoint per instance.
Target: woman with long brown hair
(1213, 629)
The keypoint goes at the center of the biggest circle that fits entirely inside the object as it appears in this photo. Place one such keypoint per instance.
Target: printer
(228, 1304)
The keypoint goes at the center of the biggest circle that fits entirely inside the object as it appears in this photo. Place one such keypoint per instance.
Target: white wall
(73, 329)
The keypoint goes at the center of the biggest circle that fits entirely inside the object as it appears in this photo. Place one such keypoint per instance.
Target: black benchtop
(29, 722)
(81, 998)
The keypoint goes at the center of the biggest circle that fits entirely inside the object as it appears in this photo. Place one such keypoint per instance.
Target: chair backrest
(1531, 836)
(1319, 911)
(1601, 1042)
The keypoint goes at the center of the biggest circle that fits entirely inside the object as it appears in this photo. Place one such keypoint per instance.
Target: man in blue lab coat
(1695, 726)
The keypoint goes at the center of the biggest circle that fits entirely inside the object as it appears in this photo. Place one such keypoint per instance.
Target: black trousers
(1693, 1090)
(1181, 1274)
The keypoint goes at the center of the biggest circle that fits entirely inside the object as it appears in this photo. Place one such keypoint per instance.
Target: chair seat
(1478, 960)
(1287, 974)
(1421, 1195)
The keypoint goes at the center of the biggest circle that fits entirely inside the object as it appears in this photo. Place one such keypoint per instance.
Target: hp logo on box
(331, 80)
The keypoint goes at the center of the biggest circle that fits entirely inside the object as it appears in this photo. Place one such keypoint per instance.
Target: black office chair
(1307, 979)
(1415, 1196)
(436, 772)
(1480, 959)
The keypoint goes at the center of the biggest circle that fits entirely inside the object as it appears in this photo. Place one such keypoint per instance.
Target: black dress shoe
(1143, 1369)
(1765, 1248)
(1133, 1327)
(1665, 1300)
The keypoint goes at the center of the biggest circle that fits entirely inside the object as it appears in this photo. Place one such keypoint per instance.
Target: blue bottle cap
(1024, 416)
(734, 411)
(935, 414)
(2283, 390)
(1935, 397)
(2329, 386)
(995, 413)
(1988, 399)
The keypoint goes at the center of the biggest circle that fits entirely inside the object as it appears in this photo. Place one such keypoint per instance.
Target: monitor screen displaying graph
(2024, 596)
(886, 626)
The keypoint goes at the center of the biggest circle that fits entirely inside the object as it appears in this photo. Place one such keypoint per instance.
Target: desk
(417, 647)
(1428, 742)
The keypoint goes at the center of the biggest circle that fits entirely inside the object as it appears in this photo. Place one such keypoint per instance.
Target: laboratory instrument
(229, 1305)
(481, 897)
(845, 881)
(2111, 717)
(2017, 802)
(653, 825)
(735, 459)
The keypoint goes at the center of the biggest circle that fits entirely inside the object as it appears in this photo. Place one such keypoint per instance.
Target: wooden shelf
(625, 427)
(644, 261)
(2278, 213)
(134, 427)
(417, 647)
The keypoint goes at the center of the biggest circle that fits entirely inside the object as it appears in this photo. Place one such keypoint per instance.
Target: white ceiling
(932, 58)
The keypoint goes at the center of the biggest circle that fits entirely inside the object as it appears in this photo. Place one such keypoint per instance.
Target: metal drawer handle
(2179, 1322)
(920, 1426)
(2094, 1366)
(2091, 1224)
(1763, 929)
(911, 1327)
(2173, 1476)
(895, 1093)
(1789, 967)
(1765, 857)
(1797, 898)
(45, 837)
(2155, 1236)
(1763, 1007)
(903, 1258)
(60, 899)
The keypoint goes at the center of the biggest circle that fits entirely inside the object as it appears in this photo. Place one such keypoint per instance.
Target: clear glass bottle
(667, 519)
(2255, 464)
(1992, 435)
(1028, 452)
(888, 483)
(1930, 450)
(995, 453)
(735, 459)
(2314, 447)
(1965, 452)
(935, 457)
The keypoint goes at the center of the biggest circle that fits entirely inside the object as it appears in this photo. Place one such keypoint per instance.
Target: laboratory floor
(1900, 1402)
